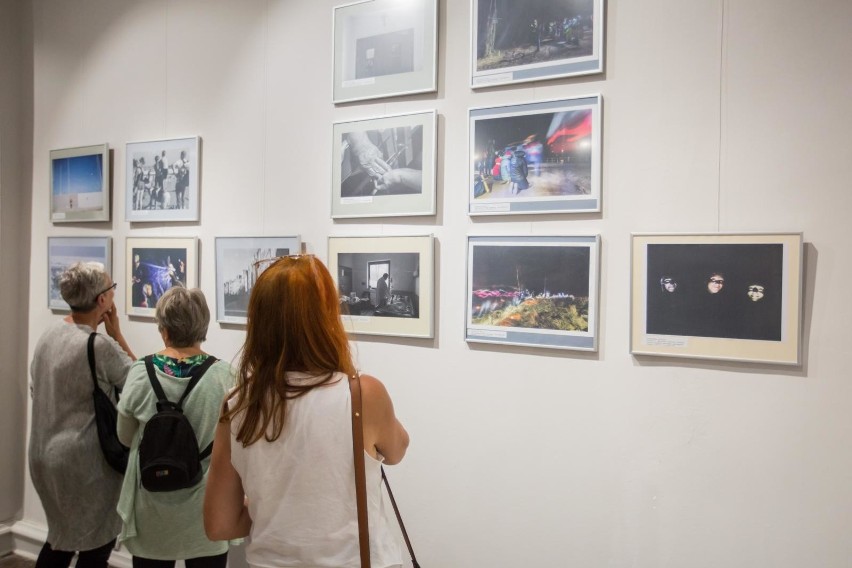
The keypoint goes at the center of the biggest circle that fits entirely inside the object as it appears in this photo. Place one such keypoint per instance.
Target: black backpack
(169, 458)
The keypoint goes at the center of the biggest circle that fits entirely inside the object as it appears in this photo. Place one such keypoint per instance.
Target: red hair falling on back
(293, 325)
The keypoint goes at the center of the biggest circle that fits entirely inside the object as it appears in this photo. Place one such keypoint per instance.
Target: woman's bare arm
(226, 515)
(382, 430)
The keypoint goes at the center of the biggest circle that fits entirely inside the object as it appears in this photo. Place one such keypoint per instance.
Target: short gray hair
(184, 314)
(81, 284)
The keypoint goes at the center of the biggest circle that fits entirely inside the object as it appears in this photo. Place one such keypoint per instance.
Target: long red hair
(293, 325)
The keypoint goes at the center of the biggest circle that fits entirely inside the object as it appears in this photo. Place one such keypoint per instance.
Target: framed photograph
(79, 184)
(235, 273)
(537, 291)
(384, 166)
(735, 297)
(386, 284)
(153, 266)
(162, 180)
(541, 157)
(535, 40)
(62, 252)
(384, 48)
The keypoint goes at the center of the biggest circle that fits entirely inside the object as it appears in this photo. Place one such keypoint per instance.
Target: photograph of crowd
(62, 252)
(534, 287)
(528, 156)
(155, 270)
(80, 184)
(548, 35)
(239, 263)
(380, 162)
(715, 290)
(160, 179)
(379, 284)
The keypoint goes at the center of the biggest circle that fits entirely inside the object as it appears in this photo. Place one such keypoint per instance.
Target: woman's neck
(91, 319)
(182, 352)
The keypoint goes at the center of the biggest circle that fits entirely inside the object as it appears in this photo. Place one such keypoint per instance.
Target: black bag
(169, 458)
(106, 417)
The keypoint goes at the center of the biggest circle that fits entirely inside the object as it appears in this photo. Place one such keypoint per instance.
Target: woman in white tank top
(282, 467)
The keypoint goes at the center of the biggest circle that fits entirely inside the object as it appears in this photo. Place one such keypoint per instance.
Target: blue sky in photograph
(80, 174)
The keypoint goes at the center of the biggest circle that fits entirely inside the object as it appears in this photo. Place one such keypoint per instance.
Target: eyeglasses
(264, 263)
(717, 281)
(111, 287)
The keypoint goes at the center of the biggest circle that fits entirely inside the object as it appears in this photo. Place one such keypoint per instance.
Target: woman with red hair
(282, 468)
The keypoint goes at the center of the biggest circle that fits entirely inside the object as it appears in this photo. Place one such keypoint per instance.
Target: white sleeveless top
(301, 487)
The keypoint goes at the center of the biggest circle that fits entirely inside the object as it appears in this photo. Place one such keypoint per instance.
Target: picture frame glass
(80, 184)
(236, 271)
(162, 180)
(542, 157)
(384, 48)
(153, 266)
(533, 291)
(385, 284)
(62, 252)
(534, 40)
(384, 166)
(724, 296)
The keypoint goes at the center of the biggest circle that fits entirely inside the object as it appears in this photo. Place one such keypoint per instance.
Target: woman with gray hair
(77, 487)
(164, 526)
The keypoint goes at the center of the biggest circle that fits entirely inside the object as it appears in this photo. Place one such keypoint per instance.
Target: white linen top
(301, 487)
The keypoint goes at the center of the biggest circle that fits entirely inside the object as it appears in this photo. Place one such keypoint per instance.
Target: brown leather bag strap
(360, 475)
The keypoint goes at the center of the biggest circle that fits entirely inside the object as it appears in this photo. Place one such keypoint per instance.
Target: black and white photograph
(153, 266)
(515, 42)
(162, 180)
(384, 166)
(385, 284)
(239, 262)
(80, 184)
(384, 48)
(379, 284)
(539, 157)
(538, 291)
(727, 291)
(62, 252)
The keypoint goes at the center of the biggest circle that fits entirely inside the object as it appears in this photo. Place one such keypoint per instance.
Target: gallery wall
(718, 115)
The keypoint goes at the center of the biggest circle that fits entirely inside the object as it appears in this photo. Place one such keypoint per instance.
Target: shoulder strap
(155, 382)
(360, 475)
(91, 354)
(196, 374)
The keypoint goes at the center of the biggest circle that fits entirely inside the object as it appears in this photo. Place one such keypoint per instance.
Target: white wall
(719, 115)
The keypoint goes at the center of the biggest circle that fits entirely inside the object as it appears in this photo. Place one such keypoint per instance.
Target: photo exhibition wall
(594, 250)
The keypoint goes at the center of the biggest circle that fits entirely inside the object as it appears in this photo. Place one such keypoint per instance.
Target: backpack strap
(155, 383)
(196, 374)
(91, 355)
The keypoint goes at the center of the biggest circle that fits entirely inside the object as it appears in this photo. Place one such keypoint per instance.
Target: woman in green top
(162, 527)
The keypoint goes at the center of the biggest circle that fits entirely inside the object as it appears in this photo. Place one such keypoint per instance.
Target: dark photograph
(533, 155)
(532, 287)
(511, 33)
(387, 161)
(154, 271)
(715, 290)
(379, 284)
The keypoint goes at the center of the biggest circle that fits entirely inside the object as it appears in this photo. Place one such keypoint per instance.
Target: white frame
(525, 205)
(102, 214)
(104, 243)
(192, 144)
(190, 244)
(537, 337)
(568, 67)
(787, 351)
(423, 81)
(424, 245)
(292, 243)
(401, 205)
